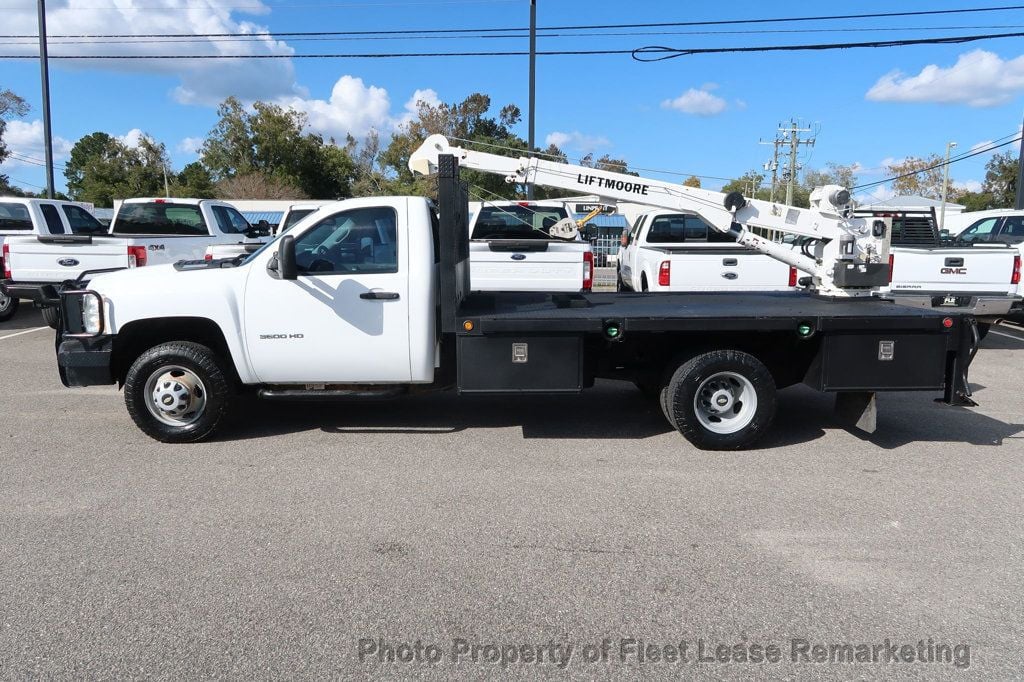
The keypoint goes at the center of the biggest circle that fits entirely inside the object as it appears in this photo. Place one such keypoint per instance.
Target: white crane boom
(851, 255)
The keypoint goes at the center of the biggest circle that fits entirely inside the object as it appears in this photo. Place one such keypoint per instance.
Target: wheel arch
(136, 337)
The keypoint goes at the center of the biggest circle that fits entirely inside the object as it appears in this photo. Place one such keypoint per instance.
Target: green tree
(1001, 173)
(917, 176)
(271, 141)
(102, 168)
(692, 181)
(194, 182)
(11, 106)
(832, 174)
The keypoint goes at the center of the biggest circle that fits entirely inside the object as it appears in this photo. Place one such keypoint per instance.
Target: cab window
(15, 217)
(1013, 230)
(53, 222)
(980, 231)
(81, 221)
(230, 221)
(363, 240)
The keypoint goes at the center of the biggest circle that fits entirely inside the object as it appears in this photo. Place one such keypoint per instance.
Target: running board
(311, 394)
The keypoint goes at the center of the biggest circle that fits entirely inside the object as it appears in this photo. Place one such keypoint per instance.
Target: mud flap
(858, 409)
(958, 390)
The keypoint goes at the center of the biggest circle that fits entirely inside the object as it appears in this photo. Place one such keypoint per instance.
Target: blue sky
(700, 114)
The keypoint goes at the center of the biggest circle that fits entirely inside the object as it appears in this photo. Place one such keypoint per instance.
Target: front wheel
(8, 306)
(50, 316)
(722, 400)
(178, 392)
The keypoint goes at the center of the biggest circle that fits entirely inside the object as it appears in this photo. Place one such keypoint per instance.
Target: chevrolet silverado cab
(21, 217)
(510, 249)
(144, 232)
(372, 299)
(671, 251)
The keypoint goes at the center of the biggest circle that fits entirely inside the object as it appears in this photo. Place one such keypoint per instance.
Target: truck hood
(161, 280)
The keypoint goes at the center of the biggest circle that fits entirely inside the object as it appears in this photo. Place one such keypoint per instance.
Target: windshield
(160, 219)
(516, 222)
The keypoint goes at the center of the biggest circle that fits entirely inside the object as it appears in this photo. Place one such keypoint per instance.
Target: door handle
(379, 296)
(729, 262)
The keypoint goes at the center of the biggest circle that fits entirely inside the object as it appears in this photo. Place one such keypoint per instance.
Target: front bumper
(86, 362)
(983, 306)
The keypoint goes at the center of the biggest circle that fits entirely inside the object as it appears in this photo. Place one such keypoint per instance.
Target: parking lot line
(24, 331)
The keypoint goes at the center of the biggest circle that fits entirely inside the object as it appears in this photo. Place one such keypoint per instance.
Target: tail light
(208, 256)
(792, 276)
(892, 261)
(1014, 278)
(665, 274)
(6, 261)
(136, 256)
(588, 270)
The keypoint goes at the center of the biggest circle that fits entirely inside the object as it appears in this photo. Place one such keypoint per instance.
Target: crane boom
(851, 255)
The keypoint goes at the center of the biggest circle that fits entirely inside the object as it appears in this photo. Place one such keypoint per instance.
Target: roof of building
(614, 220)
(272, 217)
(912, 201)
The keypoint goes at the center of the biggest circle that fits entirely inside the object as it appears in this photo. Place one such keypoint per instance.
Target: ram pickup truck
(144, 232)
(966, 274)
(21, 217)
(672, 251)
(372, 300)
(510, 249)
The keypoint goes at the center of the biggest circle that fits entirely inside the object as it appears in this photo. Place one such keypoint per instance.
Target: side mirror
(260, 229)
(624, 240)
(286, 268)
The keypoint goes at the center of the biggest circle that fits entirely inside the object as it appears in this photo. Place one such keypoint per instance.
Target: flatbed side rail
(453, 241)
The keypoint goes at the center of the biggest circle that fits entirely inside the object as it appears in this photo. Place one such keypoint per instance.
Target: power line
(506, 29)
(144, 8)
(520, 53)
(953, 160)
(328, 36)
(667, 53)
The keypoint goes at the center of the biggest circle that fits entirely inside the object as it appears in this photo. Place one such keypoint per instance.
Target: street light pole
(531, 115)
(945, 185)
(45, 74)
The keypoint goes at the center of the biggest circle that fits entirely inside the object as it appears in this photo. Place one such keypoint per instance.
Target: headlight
(91, 318)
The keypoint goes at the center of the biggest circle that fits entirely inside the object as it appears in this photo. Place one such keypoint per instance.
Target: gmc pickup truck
(21, 217)
(144, 232)
(672, 251)
(372, 300)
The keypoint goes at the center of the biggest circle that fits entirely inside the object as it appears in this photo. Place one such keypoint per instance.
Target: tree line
(267, 152)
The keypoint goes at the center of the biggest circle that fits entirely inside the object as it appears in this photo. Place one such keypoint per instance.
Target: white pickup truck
(21, 217)
(144, 232)
(510, 249)
(966, 273)
(292, 215)
(672, 251)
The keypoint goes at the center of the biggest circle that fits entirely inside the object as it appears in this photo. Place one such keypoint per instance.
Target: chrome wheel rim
(725, 403)
(175, 396)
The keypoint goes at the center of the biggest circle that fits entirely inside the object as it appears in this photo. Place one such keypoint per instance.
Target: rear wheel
(722, 400)
(643, 282)
(178, 392)
(50, 315)
(8, 306)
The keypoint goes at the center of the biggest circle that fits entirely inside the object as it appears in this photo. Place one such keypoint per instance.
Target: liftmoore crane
(847, 257)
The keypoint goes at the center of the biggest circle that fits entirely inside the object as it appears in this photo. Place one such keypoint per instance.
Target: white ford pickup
(671, 251)
(510, 249)
(21, 217)
(144, 232)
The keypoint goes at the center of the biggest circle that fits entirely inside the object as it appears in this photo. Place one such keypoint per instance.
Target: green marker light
(804, 329)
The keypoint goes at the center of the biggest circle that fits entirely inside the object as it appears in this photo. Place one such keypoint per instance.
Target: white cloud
(576, 141)
(24, 141)
(201, 81)
(697, 102)
(978, 79)
(190, 145)
(969, 185)
(355, 108)
(131, 138)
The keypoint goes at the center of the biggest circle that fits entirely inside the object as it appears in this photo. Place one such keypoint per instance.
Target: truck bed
(685, 311)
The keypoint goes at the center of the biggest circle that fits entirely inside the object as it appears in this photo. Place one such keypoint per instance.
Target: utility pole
(945, 185)
(793, 133)
(167, 190)
(773, 165)
(1019, 204)
(45, 76)
(532, 115)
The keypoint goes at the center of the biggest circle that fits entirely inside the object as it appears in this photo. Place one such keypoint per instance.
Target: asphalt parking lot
(531, 525)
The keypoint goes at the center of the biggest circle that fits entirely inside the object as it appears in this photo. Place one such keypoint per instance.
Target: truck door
(346, 318)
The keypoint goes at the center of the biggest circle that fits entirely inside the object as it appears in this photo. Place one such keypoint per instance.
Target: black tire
(216, 390)
(50, 316)
(8, 307)
(643, 282)
(719, 368)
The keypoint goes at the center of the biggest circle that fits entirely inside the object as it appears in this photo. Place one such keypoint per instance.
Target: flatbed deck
(753, 311)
